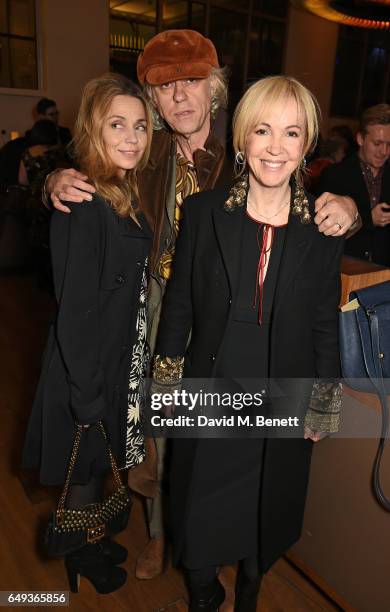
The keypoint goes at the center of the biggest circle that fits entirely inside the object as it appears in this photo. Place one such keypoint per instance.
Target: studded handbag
(70, 529)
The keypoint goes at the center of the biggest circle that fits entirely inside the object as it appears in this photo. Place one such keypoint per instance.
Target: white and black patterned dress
(135, 449)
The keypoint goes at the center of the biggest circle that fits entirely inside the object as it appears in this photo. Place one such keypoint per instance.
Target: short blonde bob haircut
(88, 144)
(267, 93)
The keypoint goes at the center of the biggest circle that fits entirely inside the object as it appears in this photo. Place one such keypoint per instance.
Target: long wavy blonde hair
(90, 150)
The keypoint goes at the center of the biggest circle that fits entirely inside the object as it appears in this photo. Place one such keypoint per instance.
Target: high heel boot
(247, 591)
(91, 564)
(111, 551)
(207, 598)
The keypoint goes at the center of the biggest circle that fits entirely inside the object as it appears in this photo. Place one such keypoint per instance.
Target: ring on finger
(338, 226)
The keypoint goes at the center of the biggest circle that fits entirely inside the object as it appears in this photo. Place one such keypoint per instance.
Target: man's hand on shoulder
(68, 185)
(335, 214)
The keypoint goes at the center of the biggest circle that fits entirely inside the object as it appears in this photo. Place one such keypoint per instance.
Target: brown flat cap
(176, 54)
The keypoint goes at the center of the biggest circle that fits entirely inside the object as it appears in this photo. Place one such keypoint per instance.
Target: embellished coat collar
(239, 191)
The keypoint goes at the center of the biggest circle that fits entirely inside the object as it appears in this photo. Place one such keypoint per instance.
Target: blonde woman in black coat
(257, 286)
(96, 353)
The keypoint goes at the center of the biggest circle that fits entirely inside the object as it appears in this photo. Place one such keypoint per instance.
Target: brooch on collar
(239, 190)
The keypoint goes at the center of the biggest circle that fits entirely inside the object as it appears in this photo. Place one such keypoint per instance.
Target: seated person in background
(365, 176)
(42, 155)
(47, 109)
(10, 156)
(343, 135)
(329, 152)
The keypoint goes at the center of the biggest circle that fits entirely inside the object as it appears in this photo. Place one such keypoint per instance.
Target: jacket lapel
(228, 229)
(208, 162)
(296, 248)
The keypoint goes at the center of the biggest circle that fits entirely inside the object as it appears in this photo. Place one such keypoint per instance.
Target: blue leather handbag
(365, 357)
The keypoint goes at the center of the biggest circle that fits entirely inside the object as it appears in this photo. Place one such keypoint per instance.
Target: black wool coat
(303, 344)
(346, 178)
(98, 265)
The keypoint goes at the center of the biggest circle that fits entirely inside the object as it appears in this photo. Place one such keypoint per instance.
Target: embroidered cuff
(167, 370)
(323, 414)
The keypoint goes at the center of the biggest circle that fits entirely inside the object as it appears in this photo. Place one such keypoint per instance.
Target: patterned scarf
(186, 185)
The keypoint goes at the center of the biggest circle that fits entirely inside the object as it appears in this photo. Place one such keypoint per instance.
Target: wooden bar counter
(356, 273)
(345, 544)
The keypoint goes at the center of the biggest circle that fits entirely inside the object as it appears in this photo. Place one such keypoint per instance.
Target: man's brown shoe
(151, 561)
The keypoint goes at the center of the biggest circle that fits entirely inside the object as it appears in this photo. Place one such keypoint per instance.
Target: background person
(343, 135)
(329, 152)
(365, 176)
(41, 157)
(253, 280)
(180, 72)
(10, 156)
(47, 109)
(96, 353)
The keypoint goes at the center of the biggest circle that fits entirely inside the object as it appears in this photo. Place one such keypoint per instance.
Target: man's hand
(315, 436)
(381, 214)
(335, 214)
(68, 185)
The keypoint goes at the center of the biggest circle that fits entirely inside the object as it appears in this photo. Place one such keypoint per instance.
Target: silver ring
(338, 225)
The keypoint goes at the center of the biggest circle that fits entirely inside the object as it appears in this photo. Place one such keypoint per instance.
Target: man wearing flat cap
(180, 72)
(181, 75)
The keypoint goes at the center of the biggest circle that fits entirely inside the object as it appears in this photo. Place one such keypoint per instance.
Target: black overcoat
(303, 344)
(346, 178)
(98, 267)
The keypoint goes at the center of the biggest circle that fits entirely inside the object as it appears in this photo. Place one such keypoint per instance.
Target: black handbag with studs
(70, 529)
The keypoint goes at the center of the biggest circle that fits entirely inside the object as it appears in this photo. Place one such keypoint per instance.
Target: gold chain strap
(114, 466)
(72, 462)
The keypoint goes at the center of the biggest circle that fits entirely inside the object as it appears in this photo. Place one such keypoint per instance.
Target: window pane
(23, 64)
(3, 17)
(183, 14)
(5, 77)
(346, 78)
(228, 33)
(175, 14)
(142, 8)
(233, 4)
(22, 17)
(197, 19)
(377, 60)
(354, 33)
(278, 8)
(129, 34)
(266, 48)
(132, 24)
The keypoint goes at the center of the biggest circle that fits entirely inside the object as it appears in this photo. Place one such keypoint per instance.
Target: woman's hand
(315, 436)
(69, 185)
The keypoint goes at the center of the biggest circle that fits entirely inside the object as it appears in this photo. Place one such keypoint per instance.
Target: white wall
(75, 48)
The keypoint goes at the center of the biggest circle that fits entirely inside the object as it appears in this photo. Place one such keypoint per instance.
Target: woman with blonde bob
(96, 353)
(258, 287)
